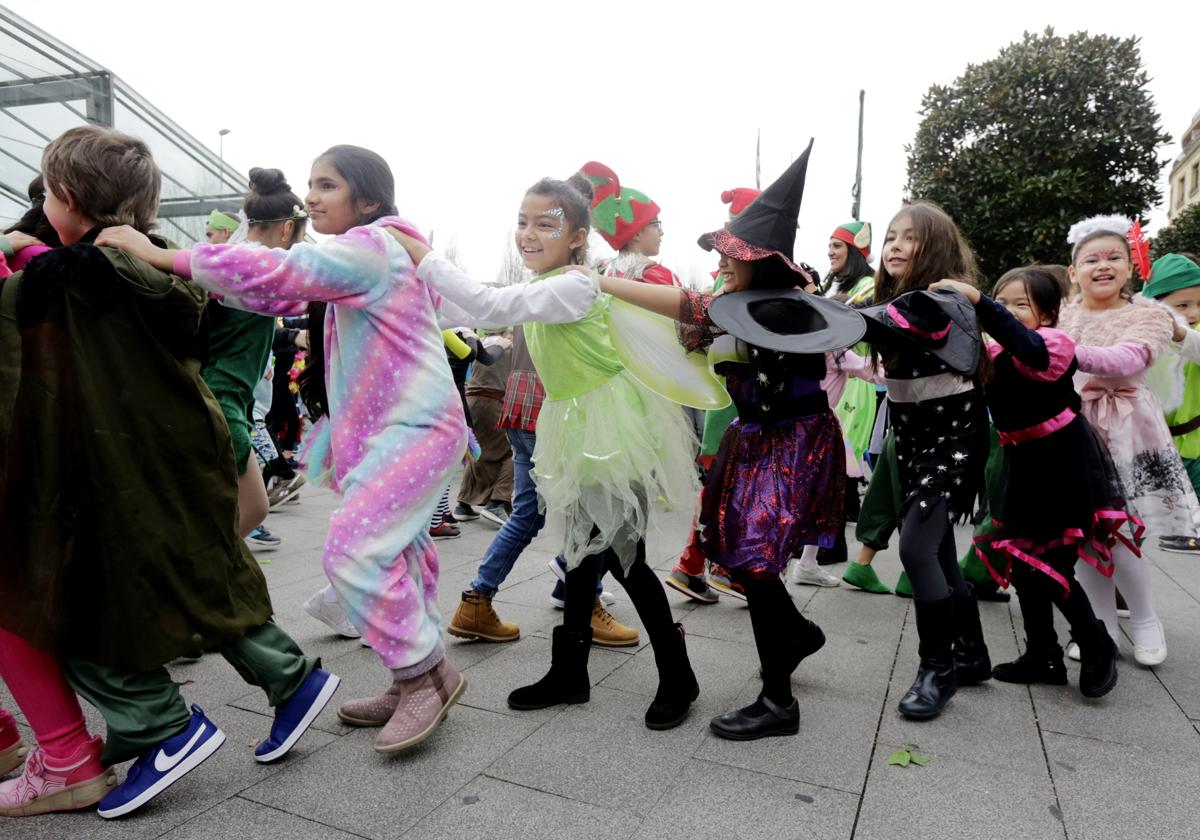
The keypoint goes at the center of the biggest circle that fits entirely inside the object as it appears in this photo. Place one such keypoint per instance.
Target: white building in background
(1185, 171)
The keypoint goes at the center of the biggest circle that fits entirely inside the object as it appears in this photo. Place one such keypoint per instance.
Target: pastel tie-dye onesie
(396, 429)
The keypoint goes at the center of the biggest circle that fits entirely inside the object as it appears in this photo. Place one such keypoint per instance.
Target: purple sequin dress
(778, 480)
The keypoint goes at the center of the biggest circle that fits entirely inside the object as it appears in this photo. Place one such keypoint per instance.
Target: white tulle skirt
(616, 466)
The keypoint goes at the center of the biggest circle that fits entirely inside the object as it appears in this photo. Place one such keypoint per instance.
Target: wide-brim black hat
(941, 323)
(787, 320)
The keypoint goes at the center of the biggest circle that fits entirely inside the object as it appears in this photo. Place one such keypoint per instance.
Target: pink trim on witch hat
(903, 323)
(731, 245)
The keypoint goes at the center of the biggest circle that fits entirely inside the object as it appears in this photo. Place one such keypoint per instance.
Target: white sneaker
(811, 577)
(1150, 656)
(1072, 651)
(330, 613)
(607, 598)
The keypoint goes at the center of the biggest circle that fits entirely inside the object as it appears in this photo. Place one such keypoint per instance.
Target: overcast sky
(472, 102)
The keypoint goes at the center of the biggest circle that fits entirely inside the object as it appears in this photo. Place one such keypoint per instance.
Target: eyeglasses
(656, 223)
(1114, 257)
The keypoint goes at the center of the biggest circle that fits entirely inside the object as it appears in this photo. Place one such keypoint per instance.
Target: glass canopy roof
(46, 87)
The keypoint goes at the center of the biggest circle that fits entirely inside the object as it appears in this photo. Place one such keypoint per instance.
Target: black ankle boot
(935, 683)
(1097, 663)
(931, 690)
(971, 662)
(677, 686)
(758, 720)
(1034, 666)
(566, 681)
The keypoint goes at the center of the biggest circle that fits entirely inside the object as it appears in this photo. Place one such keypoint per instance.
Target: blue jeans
(522, 525)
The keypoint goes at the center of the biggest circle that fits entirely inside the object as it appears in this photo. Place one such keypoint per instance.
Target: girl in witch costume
(1128, 417)
(612, 461)
(777, 481)
(1061, 498)
(930, 347)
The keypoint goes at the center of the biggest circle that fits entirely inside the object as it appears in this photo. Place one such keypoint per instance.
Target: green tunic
(239, 346)
(118, 490)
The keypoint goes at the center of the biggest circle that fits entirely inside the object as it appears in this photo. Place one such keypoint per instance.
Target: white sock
(808, 558)
(1133, 577)
(1102, 593)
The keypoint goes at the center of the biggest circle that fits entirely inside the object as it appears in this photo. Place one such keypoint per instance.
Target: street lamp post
(221, 153)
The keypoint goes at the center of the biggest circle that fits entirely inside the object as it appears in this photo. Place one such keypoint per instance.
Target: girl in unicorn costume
(395, 430)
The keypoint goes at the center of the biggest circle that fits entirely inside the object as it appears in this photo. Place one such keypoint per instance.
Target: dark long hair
(369, 177)
(1045, 285)
(856, 268)
(941, 253)
(34, 221)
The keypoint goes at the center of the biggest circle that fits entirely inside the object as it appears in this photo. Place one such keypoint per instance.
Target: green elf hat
(1171, 273)
(221, 221)
(857, 234)
(618, 213)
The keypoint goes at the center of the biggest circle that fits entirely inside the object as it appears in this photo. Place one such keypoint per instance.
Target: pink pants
(42, 694)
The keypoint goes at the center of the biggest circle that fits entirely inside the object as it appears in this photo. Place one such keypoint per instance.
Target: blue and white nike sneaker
(163, 765)
(294, 715)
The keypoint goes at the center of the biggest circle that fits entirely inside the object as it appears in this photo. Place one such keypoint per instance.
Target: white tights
(1132, 575)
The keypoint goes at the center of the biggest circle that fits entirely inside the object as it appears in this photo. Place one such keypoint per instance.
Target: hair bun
(268, 181)
(580, 182)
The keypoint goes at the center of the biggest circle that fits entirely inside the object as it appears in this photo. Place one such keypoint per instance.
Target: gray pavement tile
(601, 752)
(501, 811)
(721, 668)
(1115, 790)
(229, 771)
(240, 819)
(1180, 674)
(520, 663)
(832, 749)
(751, 806)
(958, 799)
(351, 787)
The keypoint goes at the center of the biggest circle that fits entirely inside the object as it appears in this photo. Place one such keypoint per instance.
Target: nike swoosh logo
(164, 762)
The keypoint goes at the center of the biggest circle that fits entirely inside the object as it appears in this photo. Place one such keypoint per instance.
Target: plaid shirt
(522, 401)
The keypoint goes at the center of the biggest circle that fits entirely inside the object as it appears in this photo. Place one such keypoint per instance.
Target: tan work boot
(476, 619)
(608, 632)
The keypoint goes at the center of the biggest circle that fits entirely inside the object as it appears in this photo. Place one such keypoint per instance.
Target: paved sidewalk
(1005, 761)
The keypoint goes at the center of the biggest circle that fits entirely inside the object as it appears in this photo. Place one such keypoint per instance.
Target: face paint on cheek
(557, 212)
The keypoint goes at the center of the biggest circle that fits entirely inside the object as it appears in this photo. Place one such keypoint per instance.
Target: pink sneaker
(12, 748)
(423, 704)
(50, 784)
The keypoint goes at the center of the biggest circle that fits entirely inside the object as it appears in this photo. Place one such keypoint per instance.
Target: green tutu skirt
(616, 466)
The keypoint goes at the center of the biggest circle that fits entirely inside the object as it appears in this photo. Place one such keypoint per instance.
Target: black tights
(778, 628)
(643, 586)
(1037, 591)
(928, 554)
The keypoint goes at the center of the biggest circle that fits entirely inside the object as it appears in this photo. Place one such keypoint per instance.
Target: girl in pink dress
(1128, 417)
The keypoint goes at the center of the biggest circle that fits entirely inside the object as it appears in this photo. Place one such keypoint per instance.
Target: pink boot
(422, 703)
(50, 784)
(12, 748)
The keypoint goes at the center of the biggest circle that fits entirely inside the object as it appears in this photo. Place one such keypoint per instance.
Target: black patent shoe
(1098, 669)
(760, 719)
(1031, 667)
(931, 690)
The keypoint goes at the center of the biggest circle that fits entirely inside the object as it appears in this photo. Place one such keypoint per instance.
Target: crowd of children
(1064, 404)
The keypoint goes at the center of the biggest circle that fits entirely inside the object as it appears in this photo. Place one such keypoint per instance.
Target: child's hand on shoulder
(965, 289)
(417, 250)
(18, 240)
(128, 239)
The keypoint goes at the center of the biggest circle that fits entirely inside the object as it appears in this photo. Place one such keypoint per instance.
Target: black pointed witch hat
(767, 227)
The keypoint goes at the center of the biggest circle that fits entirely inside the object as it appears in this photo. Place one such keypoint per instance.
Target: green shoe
(864, 578)
(903, 587)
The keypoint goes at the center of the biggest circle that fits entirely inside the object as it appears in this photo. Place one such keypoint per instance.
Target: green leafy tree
(1182, 236)
(1049, 131)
